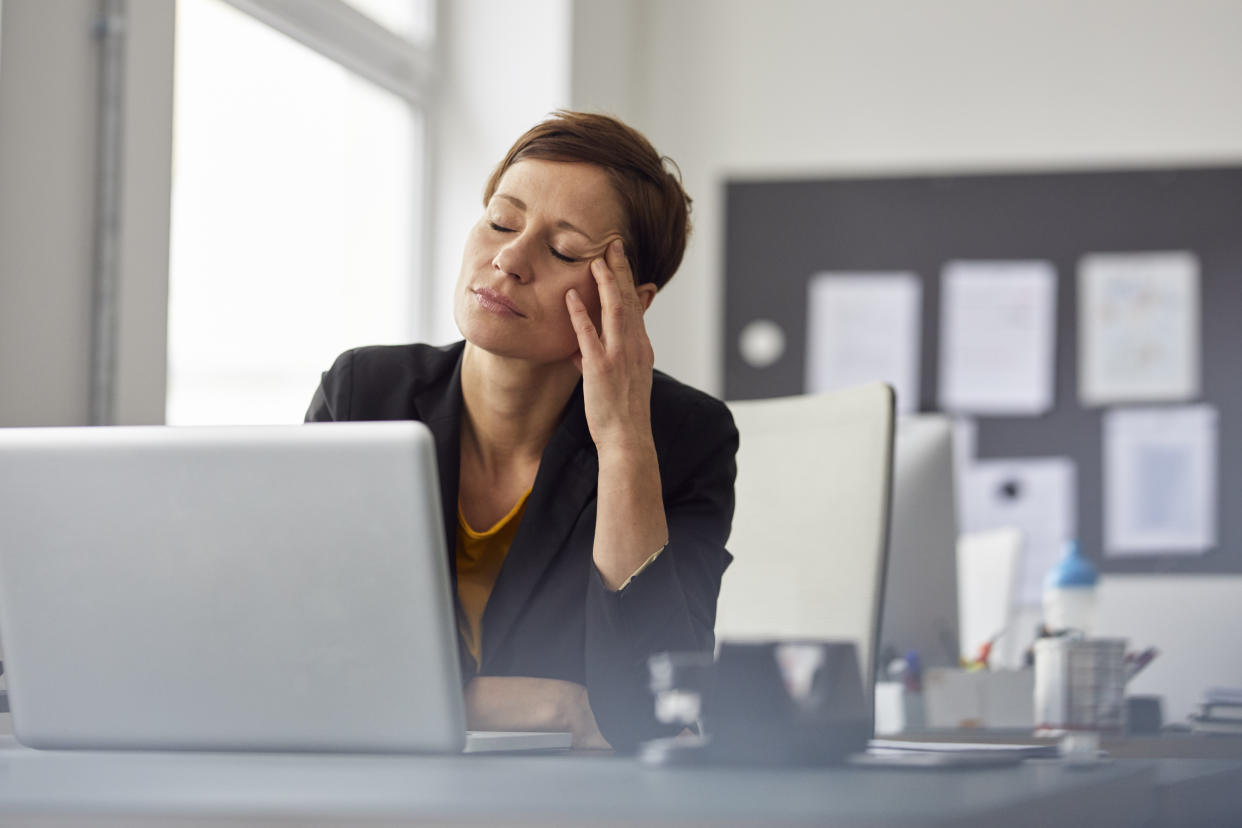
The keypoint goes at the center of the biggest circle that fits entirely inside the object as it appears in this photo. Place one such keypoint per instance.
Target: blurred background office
(202, 202)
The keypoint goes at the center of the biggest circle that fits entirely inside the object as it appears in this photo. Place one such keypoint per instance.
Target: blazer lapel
(439, 405)
(564, 485)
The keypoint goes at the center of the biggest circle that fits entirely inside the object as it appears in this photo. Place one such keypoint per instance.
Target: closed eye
(562, 256)
(499, 228)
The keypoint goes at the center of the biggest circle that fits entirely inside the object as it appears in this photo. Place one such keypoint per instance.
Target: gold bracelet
(643, 566)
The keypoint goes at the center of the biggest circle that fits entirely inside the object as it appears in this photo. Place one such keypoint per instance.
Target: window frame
(347, 36)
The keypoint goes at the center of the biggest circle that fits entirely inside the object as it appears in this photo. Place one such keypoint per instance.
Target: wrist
(626, 447)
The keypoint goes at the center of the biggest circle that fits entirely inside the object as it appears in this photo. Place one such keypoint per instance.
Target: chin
(516, 347)
(497, 336)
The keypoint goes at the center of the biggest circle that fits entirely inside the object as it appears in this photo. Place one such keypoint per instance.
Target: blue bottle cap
(1073, 570)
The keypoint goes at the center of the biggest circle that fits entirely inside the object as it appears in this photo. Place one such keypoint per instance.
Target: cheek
(476, 252)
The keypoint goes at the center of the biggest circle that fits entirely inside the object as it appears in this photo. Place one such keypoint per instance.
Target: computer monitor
(920, 611)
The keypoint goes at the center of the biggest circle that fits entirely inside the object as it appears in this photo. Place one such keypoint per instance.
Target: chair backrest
(810, 531)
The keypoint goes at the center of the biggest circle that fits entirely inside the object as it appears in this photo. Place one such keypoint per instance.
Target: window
(297, 205)
(411, 20)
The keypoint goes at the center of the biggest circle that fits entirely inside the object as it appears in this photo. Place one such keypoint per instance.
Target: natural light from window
(412, 19)
(295, 219)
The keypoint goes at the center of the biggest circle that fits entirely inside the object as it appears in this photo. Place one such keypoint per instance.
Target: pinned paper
(997, 337)
(1036, 497)
(1160, 480)
(1138, 322)
(863, 327)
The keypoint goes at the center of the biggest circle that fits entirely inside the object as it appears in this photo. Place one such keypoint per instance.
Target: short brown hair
(657, 209)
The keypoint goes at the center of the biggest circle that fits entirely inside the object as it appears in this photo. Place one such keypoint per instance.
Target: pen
(1135, 662)
(914, 673)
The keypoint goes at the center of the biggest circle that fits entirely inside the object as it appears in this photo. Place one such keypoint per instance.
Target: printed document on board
(997, 337)
(1037, 497)
(863, 327)
(1160, 480)
(1138, 327)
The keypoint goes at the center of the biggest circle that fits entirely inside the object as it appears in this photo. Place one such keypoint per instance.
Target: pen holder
(1080, 685)
(765, 703)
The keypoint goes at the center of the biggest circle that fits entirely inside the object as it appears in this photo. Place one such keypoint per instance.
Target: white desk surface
(112, 788)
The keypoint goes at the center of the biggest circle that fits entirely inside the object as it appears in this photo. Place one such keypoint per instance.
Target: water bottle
(1069, 593)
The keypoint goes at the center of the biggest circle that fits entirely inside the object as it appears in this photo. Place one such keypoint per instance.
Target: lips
(494, 301)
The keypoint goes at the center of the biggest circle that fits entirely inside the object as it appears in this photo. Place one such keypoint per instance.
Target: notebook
(257, 588)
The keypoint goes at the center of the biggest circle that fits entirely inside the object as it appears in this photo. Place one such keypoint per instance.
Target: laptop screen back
(236, 588)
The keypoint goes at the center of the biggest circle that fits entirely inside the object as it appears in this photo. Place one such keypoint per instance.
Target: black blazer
(549, 614)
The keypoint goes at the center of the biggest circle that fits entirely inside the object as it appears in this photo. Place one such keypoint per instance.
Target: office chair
(810, 530)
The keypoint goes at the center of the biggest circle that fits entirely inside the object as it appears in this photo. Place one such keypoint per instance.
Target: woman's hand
(616, 365)
(523, 703)
(616, 362)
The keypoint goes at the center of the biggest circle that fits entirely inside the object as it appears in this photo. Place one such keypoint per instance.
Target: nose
(513, 258)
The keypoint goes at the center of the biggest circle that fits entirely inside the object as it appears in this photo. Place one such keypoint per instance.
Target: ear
(646, 293)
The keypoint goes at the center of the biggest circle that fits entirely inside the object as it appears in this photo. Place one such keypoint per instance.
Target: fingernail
(616, 245)
(573, 294)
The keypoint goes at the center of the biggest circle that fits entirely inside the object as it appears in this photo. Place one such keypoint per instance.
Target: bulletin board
(779, 234)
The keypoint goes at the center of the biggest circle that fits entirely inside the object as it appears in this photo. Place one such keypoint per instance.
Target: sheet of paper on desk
(1160, 480)
(1036, 497)
(1030, 751)
(1138, 327)
(997, 337)
(863, 327)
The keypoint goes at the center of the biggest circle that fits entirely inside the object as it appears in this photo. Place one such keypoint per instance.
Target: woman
(587, 497)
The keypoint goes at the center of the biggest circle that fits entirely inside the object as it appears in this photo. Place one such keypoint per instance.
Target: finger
(612, 305)
(627, 284)
(589, 344)
(619, 263)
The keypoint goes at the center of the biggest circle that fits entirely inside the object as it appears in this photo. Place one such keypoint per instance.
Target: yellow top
(479, 558)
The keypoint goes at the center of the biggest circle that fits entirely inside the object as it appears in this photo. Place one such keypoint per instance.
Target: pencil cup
(1080, 686)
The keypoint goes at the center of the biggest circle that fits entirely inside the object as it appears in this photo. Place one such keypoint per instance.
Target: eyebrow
(563, 224)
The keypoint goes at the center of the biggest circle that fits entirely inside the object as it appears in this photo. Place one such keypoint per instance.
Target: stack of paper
(1220, 712)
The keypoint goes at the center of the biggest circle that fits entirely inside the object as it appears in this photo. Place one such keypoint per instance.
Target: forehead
(564, 191)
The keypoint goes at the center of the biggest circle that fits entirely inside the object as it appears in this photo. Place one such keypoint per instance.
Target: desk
(1166, 745)
(1198, 792)
(105, 788)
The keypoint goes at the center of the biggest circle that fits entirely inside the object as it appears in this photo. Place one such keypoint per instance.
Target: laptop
(252, 588)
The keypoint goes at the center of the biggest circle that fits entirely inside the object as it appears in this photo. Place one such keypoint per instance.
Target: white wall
(48, 70)
(789, 88)
(604, 57)
(146, 203)
(505, 67)
(47, 165)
